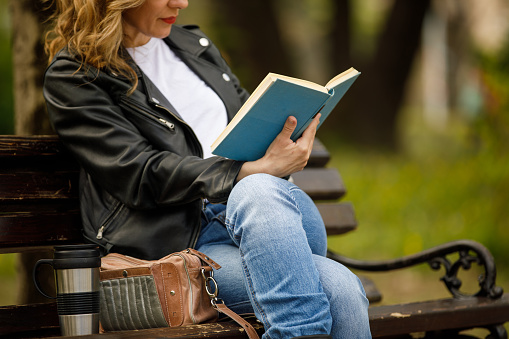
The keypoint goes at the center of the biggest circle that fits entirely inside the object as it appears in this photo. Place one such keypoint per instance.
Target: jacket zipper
(108, 221)
(185, 124)
(149, 114)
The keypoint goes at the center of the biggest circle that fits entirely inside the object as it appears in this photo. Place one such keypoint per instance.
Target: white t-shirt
(199, 106)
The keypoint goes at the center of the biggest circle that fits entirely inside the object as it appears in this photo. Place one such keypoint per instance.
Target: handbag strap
(204, 258)
(219, 305)
(250, 331)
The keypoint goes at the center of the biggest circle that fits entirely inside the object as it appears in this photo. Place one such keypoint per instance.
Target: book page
(304, 83)
(349, 73)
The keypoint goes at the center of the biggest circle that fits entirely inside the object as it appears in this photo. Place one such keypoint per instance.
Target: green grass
(8, 281)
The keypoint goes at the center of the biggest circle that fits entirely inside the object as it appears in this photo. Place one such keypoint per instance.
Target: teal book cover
(263, 116)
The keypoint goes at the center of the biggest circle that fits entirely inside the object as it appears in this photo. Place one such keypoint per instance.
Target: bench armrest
(469, 252)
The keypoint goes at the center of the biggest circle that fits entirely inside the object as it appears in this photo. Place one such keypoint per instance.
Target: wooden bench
(39, 209)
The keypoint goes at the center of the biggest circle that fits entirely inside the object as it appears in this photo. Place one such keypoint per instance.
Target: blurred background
(421, 139)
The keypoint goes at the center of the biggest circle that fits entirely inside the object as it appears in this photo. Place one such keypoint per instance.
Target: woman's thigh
(275, 210)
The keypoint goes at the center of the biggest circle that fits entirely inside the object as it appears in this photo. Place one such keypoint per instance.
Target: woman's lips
(171, 20)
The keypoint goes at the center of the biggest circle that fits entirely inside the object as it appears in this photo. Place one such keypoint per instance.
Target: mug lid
(76, 251)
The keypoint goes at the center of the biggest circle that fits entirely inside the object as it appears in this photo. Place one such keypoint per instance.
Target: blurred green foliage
(445, 185)
(6, 94)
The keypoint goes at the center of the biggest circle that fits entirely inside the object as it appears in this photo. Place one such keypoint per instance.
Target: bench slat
(320, 183)
(385, 321)
(38, 186)
(226, 329)
(437, 315)
(26, 146)
(319, 155)
(42, 320)
(27, 320)
(339, 218)
(20, 232)
(38, 168)
(50, 146)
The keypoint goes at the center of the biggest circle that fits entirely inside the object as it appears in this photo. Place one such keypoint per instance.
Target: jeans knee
(353, 292)
(274, 204)
(343, 288)
(349, 309)
(255, 188)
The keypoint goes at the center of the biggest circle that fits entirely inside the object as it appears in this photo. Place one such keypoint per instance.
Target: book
(263, 115)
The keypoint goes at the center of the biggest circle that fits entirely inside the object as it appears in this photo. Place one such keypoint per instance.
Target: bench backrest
(39, 183)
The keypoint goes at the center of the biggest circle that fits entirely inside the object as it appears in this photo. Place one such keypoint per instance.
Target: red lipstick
(170, 20)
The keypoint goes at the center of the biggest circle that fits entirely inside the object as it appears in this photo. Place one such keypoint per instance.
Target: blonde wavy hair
(93, 31)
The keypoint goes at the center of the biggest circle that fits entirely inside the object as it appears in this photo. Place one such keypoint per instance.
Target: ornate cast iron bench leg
(470, 252)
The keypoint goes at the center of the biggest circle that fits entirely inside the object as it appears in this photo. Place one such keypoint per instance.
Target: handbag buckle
(210, 282)
(216, 301)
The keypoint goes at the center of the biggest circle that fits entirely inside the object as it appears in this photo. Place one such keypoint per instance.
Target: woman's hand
(284, 157)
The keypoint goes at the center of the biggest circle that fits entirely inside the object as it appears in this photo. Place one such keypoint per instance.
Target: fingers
(284, 157)
(289, 127)
(291, 124)
(316, 121)
(310, 132)
(308, 137)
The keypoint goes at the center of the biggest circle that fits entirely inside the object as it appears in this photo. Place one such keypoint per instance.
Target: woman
(135, 104)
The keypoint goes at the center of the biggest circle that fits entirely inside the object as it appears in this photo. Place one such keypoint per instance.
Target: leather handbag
(176, 290)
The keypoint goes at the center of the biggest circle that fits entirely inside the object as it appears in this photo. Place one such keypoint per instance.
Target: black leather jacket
(143, 179)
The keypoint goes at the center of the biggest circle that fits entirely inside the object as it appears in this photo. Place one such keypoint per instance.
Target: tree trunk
(29, 61)
(252, 39)
(375, 100)
(30, 117)
(341, 60)
(340, 37)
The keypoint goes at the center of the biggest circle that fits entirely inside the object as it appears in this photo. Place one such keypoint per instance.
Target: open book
(263, 115)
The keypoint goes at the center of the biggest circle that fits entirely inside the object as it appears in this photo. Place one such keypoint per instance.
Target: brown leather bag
(176, 290)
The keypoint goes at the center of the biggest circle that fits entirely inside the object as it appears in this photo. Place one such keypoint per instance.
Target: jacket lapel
(155, 97)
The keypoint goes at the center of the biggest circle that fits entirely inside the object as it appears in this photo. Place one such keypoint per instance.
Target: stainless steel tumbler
(77, 283)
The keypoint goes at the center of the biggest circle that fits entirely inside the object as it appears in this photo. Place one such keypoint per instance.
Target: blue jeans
(272, 252)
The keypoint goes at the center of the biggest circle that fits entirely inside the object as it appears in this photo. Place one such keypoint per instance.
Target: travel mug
(77, 287)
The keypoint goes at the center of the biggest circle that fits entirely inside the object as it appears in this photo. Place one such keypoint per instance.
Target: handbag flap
(168, 284)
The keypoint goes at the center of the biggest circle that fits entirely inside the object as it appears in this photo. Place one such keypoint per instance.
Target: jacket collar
(182, 38)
